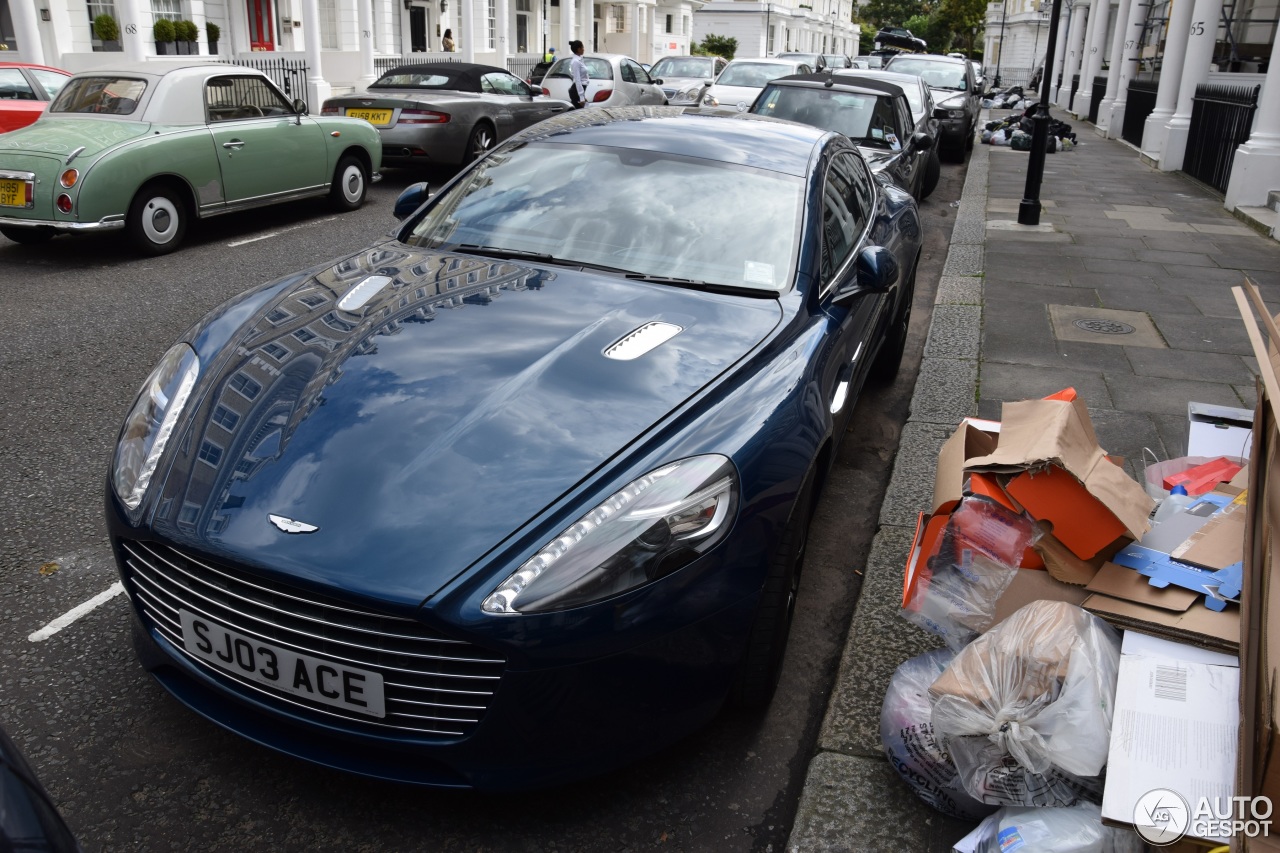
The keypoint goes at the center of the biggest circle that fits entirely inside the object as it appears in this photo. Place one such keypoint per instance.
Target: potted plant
(164, 34)
(212, 31)
(187, 34)
(107, 31)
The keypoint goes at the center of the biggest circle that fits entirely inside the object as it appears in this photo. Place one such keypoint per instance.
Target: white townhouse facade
(345, 44)
(767, 28)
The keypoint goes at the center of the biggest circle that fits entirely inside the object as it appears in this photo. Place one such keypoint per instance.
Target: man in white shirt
(578, 75)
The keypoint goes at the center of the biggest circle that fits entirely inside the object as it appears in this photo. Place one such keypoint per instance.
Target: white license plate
(317, 679)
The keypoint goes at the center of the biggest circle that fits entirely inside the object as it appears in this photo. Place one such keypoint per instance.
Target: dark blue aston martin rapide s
(520, 493)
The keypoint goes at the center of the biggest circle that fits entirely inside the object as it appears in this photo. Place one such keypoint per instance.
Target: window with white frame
(684, 30)
(491, 24)
(168, 9)
(100, 7)
(328, 10)
(617, 19)
(772, 30)
(670, 28)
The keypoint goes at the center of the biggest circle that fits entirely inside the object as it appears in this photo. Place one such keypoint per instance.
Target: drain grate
(1104, 327)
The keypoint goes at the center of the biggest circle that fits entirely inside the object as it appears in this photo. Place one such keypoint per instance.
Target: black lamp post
(1029, 209)
(1004, 14)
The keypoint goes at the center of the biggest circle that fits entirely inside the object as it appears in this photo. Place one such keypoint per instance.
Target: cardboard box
(1218, 430)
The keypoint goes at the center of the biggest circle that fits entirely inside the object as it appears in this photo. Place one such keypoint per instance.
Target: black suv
(955, 93)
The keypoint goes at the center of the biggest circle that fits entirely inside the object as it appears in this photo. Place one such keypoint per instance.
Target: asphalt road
(84, 321)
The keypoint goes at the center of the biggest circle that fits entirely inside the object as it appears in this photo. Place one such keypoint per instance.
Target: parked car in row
(874, 114)
(836, 61)
(685, 79)
(149, 147)
(920, 99)
(816, 61)
(520, 492)
(25, 90)
(742, 80)
(446, 112)
(900, 38)
(615, 81)
(956, 93)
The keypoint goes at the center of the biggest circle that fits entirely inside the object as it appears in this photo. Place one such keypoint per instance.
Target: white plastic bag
(970, 565)
(906, 731)
(1077, 829)
(1025, 710)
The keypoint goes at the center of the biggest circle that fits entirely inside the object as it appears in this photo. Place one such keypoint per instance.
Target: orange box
(1080, 521)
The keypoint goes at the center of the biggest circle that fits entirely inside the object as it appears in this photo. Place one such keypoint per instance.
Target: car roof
(466, 73)
(766, 60)
(822, 79)
(933, 57)
(740, 139)
(868, 74)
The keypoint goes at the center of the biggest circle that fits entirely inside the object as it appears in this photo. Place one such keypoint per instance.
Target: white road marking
(76, 612)
(271, 234)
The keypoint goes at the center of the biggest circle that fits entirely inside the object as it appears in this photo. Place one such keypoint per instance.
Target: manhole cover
(1104, 327)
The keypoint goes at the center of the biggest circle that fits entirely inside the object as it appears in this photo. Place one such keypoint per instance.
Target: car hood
(60, 137)
(731, 96)
(681, 82)
(421, 430)
(940, 95)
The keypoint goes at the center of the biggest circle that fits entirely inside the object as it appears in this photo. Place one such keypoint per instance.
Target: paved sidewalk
(1121, 246)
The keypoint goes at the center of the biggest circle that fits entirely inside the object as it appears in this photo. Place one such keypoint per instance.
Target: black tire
(350, 184)
(932, 172)
(482, 138)
(885, 368)
(761, 664)
(28, 236)
(157, 219)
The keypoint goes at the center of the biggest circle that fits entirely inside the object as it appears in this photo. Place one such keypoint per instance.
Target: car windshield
(937, 75)
(866, 119)
(642, 212)
(836, 61)
(117, 96)
(754, 75)
(684, 67)
(597, 69)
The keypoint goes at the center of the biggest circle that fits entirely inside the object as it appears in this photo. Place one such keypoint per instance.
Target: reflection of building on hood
(297, 350)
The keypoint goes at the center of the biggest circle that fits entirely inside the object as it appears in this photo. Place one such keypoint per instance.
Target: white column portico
(1118, 36)
(1096, 44)
(364, 17)
(503, 15)
(1256, 168)
(1128, 63)
(635, 31)
(586, 15)
(567, 23)
(1059, 51)
(318, 89)
(1075, 50)
(134, 43)
(1155, 132)
(1195, 70)
(468, 36)
(27, 30)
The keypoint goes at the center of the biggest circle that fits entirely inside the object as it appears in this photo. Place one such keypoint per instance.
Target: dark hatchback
(520, 492)
(955, 91)
(873, 113)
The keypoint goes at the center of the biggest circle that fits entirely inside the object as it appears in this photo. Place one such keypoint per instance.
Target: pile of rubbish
(1004, 99)
(1025, 569)
(1015, 129)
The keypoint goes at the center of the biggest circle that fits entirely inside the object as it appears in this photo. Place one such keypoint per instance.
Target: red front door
(261, 25)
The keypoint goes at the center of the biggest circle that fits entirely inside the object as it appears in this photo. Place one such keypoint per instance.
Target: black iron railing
(1099, 92)
(1221, 117)
(1137, 106)
(1075, 87)
(289, 74)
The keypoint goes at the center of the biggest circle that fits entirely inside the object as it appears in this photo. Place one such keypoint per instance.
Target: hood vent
(641, 340)
(359, 296)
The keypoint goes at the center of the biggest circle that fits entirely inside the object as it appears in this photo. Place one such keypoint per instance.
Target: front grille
(433, 684)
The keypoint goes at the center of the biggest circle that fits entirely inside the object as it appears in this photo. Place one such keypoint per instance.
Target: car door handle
(233, 145)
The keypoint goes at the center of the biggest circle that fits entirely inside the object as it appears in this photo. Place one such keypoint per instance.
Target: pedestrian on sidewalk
(578, 76)
(447, 41)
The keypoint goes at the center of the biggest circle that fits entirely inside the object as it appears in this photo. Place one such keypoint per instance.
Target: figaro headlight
(646, 530)
(151, 422)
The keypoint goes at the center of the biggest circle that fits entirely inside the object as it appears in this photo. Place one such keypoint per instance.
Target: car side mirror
(412, 198)
(874, 271)
(300, 106)
(921, 141)
(657, 82)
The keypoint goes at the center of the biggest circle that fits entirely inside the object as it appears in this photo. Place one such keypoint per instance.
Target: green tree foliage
(890, 13)
(713, 45)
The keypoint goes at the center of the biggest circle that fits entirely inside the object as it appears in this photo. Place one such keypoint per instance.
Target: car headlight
(955, 113)
(689, 95)
(645, 531)
(151, 422)
(709, 100)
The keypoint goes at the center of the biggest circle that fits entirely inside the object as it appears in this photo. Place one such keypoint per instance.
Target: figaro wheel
(350, 184)
(157, 219)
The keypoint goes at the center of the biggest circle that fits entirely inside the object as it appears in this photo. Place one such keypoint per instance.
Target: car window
(597, 69)
(106, 95)
(503, 84)
(531, 200)
(50, 80)
(629, 73)
(841, 216)
(938, 75)
(642, 76)
(234, 98)
(754, 75)
(720, 65)
(425, 78)
(906, 124)
(14, 87)
(858, 116)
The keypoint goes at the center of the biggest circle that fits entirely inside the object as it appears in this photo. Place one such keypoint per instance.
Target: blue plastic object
(1161, 571)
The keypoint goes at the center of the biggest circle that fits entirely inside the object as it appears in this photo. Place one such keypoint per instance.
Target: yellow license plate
(13, 193)
(371, 116)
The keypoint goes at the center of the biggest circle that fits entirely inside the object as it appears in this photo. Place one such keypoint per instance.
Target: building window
(772, 30)
(304, 334)
(8, 38)
(245, 386)
(168, 9)
(278, 316)
(100, 7)
(210, 453)
(491, 27)
(685, 26)
(328, 24)
(276, 351)
(670, 24)
(189, 514)
(524, 6)
(225, 418)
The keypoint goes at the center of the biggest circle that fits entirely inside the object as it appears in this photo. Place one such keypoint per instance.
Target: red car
(25, 90)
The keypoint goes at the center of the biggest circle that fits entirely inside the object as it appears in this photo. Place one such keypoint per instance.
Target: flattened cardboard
(1035, 434)
(1030, 585)
(1220, 543)
(1198, 625)
(1123, 582)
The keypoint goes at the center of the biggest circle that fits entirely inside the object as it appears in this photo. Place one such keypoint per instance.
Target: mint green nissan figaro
(149, 147)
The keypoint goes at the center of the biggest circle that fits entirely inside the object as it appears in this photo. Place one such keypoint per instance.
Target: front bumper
(106, 223)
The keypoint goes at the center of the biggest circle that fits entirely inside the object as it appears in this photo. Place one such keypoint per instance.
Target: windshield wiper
(696, 284)
(523, 255)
